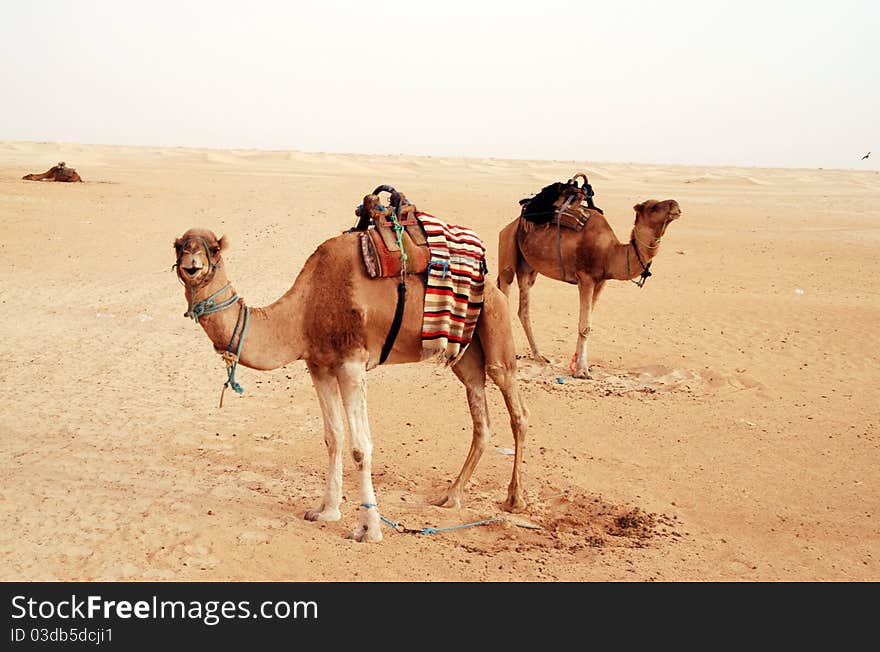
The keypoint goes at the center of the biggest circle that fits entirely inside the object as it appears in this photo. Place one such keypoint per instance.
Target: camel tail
(508, 256)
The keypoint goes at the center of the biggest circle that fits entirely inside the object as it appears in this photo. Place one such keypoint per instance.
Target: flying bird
(866, 156)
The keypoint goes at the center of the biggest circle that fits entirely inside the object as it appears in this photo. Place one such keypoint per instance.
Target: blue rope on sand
(429, 530)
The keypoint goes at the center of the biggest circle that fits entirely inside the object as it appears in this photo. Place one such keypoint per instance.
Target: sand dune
(730, 431)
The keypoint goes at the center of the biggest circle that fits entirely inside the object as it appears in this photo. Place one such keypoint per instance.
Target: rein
(230, 358)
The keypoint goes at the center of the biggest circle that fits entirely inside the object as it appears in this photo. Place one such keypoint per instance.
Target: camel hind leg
(496, 339)
(526, 277)
(512, 265)
(471, 371)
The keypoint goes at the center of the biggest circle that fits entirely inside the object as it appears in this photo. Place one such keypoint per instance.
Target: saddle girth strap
(395, 323)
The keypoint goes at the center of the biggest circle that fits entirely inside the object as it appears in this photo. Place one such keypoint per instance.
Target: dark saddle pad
(566, 204)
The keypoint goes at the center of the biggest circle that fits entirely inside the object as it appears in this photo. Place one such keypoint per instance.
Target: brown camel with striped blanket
(336, 318)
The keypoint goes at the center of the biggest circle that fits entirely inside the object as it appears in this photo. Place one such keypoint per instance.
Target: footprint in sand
(199, 556)
(121, 572)
(250, 537)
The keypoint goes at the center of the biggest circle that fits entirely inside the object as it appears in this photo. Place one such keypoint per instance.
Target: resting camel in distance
(584, 258)
(336, 318)
(58, 172)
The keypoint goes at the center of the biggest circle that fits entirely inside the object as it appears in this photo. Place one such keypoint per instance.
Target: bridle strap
(214, 265)
(646, 269)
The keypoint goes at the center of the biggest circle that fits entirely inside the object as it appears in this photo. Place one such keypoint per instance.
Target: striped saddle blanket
(454, 291)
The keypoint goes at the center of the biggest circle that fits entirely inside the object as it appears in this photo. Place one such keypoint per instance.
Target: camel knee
(504, 280)
(359, 458)
(501, 373)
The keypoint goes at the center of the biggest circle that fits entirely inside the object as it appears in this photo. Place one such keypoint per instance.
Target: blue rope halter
(209, 306)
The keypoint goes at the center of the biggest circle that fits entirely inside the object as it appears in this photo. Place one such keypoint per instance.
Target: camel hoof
(367, 534)
(514, 505)
(449, 501)
(540, 358)
(583, 374)
(322, 515)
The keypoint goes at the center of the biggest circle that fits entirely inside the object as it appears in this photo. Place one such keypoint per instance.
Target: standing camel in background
(58, 172)
(335, 317)
(586, 258)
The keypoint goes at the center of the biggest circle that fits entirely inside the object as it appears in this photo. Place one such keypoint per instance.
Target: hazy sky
(738, 83)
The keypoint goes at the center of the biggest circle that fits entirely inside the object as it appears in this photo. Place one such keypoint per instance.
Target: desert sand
(730, 431)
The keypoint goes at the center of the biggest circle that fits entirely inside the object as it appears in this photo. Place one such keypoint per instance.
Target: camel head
(656, 215)
(198, 255)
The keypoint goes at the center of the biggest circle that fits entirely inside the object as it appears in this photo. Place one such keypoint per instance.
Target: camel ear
(224, 243)
(638, 208)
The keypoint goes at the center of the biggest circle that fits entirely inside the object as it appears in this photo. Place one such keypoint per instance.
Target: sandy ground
(730, 432)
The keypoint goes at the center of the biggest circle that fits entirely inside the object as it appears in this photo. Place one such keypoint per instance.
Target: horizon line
(429, 156)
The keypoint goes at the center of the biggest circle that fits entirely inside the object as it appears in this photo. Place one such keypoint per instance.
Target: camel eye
(215, 250)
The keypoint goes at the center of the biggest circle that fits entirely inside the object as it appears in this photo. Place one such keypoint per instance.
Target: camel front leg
(586, 287)
(471, 371)
(525, 278)
(334, 436)
(352, 378)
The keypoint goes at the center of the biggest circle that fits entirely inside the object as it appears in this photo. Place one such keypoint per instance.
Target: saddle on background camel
(560, 204)
(64, 173)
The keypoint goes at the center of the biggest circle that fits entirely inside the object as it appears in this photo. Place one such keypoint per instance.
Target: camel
(58, 172)
(336, 319)
(586, 258)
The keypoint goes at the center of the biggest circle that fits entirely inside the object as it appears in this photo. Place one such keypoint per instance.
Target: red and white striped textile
(454, 292)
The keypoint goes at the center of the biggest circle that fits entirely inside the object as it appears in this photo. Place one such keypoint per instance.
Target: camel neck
(628, 261)
(274, 334)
